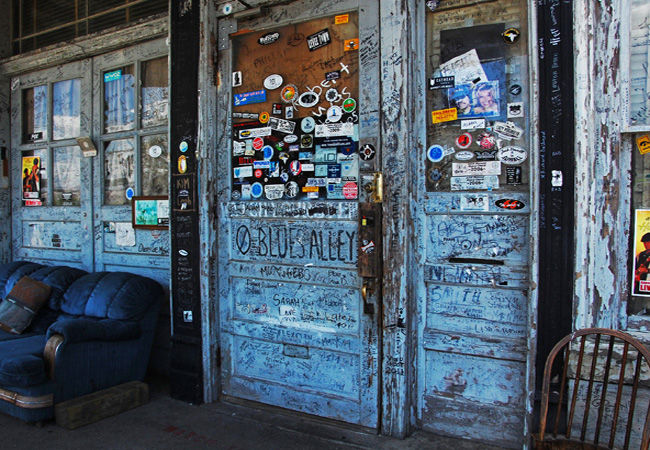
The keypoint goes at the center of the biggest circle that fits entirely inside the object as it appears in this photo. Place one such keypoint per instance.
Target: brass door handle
(366, 290)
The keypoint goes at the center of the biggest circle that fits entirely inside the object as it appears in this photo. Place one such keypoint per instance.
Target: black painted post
(556, 214)
(186, 367)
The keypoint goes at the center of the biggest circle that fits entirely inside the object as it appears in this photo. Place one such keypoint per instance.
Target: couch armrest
(85, 330)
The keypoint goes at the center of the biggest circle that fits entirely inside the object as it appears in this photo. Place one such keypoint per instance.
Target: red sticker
(464, 140)
(508, 203)
(350, 190)
(258, 143)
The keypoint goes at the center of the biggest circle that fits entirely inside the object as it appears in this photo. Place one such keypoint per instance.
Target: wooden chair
(605, 409)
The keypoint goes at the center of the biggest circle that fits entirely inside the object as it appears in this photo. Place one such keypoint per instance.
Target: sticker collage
(477, 132)
(295, 119)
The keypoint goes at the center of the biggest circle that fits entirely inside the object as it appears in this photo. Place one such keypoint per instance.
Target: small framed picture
(150, 212)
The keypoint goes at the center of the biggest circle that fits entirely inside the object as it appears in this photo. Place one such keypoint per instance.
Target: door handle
(366, 291)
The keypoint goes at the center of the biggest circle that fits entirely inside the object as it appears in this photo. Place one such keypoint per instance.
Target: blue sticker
(112, 76)
(248, 98)
(257, 190)
(268, 152)
(183, 147)
(333, 171)
(129, 193)
(435, 153)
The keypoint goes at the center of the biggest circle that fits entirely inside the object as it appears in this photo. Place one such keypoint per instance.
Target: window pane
(155, 165)
(639, 61)
(34, 178)
(118, 171)
(35, 114)
(155, 92)
(66, 100)
(119, 106)
(67, 176)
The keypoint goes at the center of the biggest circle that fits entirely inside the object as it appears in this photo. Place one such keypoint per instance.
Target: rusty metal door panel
(295, 331)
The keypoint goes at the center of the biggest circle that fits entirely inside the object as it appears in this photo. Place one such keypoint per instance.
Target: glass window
(639, 62)
(155, 165)
(35, 114)
(34, 177)
(66, 109)
(119, 99)
(118, 171)
(155, 92)
(66, 176)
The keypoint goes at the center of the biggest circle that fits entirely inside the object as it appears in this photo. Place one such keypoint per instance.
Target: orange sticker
(444, 115)
(340, 20)
(310, 188)
(264, 117)
(351, 44)
(643, 144)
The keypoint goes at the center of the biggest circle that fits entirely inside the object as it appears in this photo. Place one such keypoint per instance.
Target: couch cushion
(59, 278)
(18, 270)
(111, 295)
(20, 306)
(22, 370)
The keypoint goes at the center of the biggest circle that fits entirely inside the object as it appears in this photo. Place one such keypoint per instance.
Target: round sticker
(284, 176)
(257, 190)
(129, 193)
(512, 155)
(308, 124)
(515, 89)
(258, 143)
(264, 117)
(258, 173)
(334, 113)
(350, 190)
(464, 156)
(290, 138)
(308, 99)
(183, 146)
(464, 140)
(511, 35)
(435, 153)
(349, 105)
(227, 8)
(182, 164)
(367, 152)
(332, 95)
(289, 93)
(268, 152)
(236, 195)
(155, 151)
(273, 82)
(183, 252)
(296, 168)
(291, 189)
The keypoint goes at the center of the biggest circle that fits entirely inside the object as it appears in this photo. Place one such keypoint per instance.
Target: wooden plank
(91, 408)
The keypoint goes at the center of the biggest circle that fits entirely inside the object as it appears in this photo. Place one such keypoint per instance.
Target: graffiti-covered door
(298, 106)
(51, 180)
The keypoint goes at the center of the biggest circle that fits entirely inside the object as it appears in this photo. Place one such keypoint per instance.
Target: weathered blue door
(295, 109)
(51, 181)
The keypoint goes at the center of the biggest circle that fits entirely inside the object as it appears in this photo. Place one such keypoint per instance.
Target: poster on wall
(641, 269)
(32, 180)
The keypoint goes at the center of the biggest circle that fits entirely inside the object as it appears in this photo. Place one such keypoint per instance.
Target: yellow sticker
(643, 143)
(351, 44)
(340, 20)
(264, 117)
(444, 115)
(182, 164)
(310, 188)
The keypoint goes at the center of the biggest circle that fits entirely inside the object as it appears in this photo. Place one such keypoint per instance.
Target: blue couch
(95, 331)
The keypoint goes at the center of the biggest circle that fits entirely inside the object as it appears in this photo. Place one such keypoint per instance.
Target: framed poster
(150, 212)
(641, 268)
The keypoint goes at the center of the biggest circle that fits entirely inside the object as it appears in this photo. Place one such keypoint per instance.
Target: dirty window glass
(155, 92)
(66, 168)
(639, 62)
(155, 165)
(66, 109)
(119, 99)
(118, 171)
(35, 185)
(35, 114)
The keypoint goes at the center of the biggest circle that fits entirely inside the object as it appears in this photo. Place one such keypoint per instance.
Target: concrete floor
(165, 423)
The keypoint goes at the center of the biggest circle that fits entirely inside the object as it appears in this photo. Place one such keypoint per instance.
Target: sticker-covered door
(294, 330)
